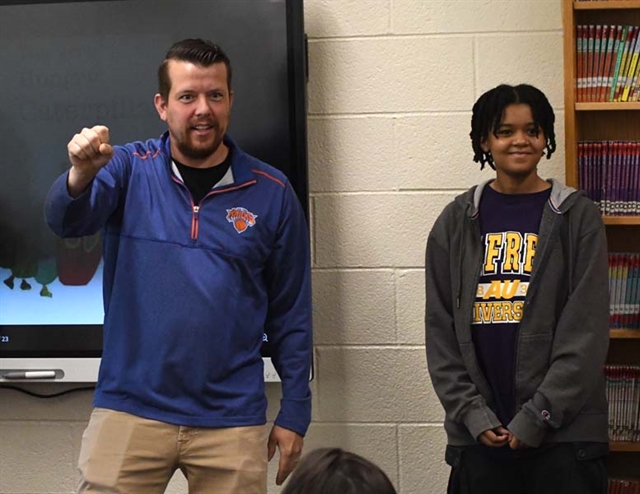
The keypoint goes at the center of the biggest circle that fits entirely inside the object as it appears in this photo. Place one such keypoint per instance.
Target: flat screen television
(67, 65)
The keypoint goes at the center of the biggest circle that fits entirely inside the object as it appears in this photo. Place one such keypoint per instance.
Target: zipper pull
(194, 222)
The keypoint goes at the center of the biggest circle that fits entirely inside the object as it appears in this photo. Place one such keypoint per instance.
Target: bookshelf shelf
(625, 446)
(621, 220)
(634, 105)
(607, 5)
(587, 121)
(622, 334)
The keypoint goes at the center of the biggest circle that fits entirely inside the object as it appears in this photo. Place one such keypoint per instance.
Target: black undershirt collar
(200, 181)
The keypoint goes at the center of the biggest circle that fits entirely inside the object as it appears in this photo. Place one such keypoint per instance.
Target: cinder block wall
(392, 83)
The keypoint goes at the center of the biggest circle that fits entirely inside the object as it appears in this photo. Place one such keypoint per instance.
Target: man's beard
(200, 152)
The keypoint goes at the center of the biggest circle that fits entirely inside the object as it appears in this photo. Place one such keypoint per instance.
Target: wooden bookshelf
(613, 106)
(604, 121)
(621, 220)
(624, 446)
(607, 5)
(622, 334)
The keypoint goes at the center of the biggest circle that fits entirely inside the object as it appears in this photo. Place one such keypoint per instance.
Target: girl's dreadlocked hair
(489, 109)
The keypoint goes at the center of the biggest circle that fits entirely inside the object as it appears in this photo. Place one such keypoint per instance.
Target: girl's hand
(515, 443)
(495, 438)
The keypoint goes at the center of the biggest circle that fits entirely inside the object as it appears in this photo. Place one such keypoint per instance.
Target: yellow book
(636, 88)
(613, 79)
(632, 70)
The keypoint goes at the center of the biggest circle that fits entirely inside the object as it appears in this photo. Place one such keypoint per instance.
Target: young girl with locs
(517, 314)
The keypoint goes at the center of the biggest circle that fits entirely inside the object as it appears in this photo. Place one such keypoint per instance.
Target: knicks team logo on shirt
(241, 218)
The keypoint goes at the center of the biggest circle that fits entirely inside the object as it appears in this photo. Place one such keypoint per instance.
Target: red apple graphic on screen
(78, 259)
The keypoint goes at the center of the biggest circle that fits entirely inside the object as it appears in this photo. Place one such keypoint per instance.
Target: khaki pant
(125, 454)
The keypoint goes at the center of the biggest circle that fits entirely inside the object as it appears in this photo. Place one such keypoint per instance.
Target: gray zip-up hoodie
(563, 336)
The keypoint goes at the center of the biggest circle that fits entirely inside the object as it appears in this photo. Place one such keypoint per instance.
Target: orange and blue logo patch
(241, 218)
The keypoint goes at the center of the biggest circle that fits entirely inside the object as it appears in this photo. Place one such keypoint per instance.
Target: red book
(589, 66)
(580, 62)
(606, 69)
(597, 41)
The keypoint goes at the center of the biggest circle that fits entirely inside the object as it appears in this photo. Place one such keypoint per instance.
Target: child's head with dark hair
(335, 471)
(489, 111)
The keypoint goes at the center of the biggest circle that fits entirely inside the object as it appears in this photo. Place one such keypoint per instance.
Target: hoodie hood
(562, 197)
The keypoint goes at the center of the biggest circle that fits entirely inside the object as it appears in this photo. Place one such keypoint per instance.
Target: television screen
(69, 65)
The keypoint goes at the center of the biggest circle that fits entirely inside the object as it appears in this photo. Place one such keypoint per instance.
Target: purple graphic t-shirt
(509, 225)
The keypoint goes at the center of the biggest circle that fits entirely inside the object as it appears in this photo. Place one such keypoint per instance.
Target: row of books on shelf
(607, 67)
(609, 173)
(624, 290)
(621, 486)
(623, 395)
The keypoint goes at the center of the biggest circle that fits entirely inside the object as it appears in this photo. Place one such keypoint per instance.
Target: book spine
(626, 181)
(613, 32)
(616, 70)
(590, 60)
(635, 86)
(614, 58)
(597, 41)
(636, 177)
(601, 182)
(579, 63)
(636, 298)
(632, 68)
(617, 165)
(624, 64)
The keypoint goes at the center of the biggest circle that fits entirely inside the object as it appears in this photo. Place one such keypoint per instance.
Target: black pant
(564, 468)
